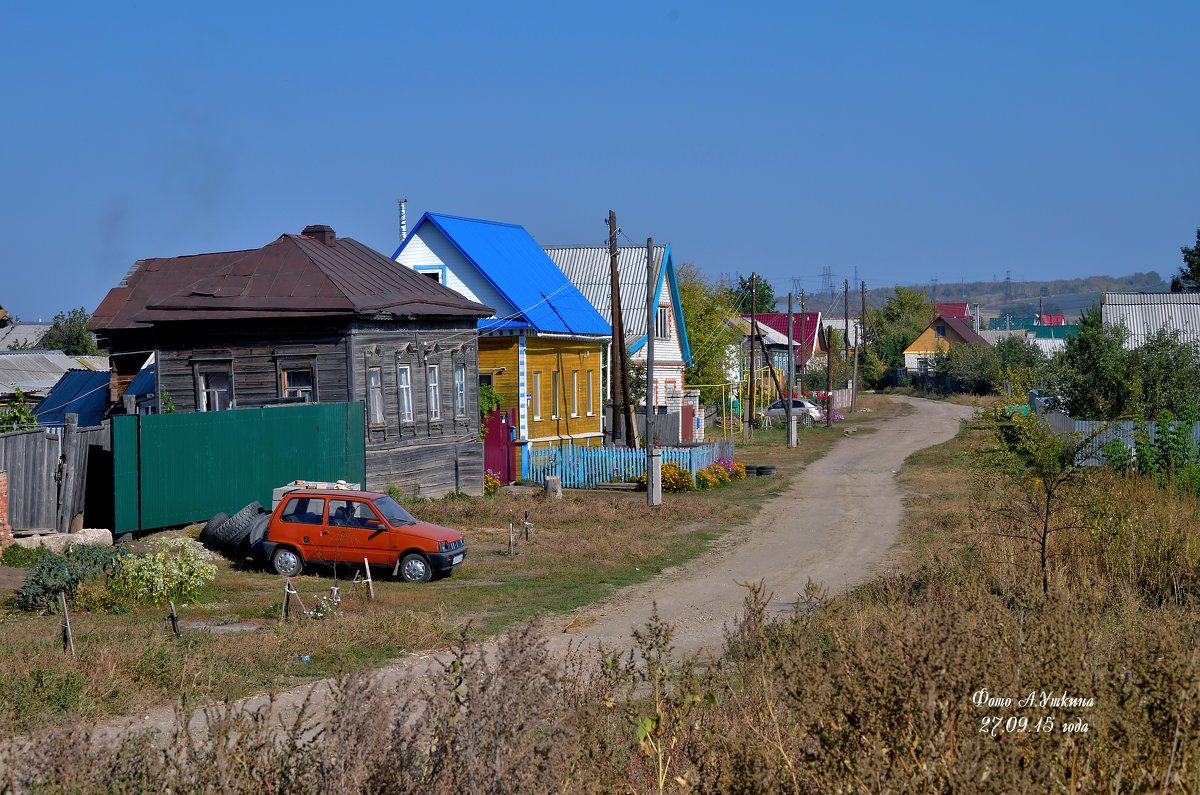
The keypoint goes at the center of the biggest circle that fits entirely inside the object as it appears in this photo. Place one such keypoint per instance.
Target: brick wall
(6, 536)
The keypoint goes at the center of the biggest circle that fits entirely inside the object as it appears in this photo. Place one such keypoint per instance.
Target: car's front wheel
(809, 420)
(414, 568)
(287, 562)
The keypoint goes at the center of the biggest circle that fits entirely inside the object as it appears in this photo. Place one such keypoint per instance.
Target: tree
(1094, 379)
(68, 333)
(1165, 374)
(705, 306)
(892, 328)
(16, 416)
(1188, 278)
(739, 299)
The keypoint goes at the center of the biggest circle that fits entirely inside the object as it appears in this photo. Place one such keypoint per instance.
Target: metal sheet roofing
(293, 276)
(22, 334)
(589, 269)
(82, 392)
(954, 310)
(144, 382)
(807, 328)
(33, 372)
(1145, 313)
(513, 262)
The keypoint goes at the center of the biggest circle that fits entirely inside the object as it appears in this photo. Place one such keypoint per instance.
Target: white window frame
(306, 392)
(433, 392)
(574, 393)
(662, 323)
(375, 415)
(206, 391)
(591, 408)
(404, 393)
(460, 389)
(537, 394)
(554, 395)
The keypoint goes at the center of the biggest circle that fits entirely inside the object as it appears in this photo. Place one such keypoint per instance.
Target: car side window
(352, 513)
(304, 510)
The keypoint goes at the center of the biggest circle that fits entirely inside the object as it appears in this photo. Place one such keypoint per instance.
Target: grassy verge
(584, 547)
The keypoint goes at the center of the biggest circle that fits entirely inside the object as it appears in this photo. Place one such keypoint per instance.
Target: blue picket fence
(587, 467)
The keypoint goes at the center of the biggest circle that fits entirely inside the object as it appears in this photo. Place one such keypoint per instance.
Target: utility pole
(803, 337)
(860, 340)
(623, 413)
(791, 377)
(653, 470)
(846, 320)
(753, 326)
(829, 379)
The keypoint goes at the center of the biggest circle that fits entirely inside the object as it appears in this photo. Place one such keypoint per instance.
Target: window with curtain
(404, 392)
(432, 392)
(375, 396)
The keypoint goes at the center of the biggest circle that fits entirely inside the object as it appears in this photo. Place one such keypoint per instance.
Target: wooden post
(749, 410)
(791, 379)
(829, 377)
(174, 619)
(287, 600)
(370, 585)
(527, 525)
(70, 458)
(67, 639)
(511, 540)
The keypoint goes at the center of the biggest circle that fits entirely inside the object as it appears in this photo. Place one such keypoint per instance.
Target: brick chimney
(322, 233)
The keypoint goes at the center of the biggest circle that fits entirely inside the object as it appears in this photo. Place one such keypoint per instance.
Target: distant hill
(1021, 299)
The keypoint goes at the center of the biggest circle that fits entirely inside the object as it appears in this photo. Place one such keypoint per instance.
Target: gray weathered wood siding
(432, 456)
(435, 455)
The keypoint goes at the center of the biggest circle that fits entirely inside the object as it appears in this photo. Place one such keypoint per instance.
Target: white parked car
(808, 412)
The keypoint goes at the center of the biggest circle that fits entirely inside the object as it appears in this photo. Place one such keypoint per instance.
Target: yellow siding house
(542, 351)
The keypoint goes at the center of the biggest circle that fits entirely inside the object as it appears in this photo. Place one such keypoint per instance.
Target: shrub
(715, 474)
(23, 557)
(54, 574)
(491, 482)
(175, 570)
(674, 479)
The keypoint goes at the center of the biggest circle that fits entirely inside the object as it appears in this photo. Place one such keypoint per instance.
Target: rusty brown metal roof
(296, 275)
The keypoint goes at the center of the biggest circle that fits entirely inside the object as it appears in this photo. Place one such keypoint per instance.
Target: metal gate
(172, 469)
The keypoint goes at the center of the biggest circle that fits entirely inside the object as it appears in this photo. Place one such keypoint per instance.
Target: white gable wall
(428, 250)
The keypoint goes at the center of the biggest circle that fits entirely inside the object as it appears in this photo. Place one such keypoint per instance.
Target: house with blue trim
(589, 269)
(542, 349)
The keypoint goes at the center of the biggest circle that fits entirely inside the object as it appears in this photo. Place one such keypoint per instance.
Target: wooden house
(938, 337)
(311, 318)
(541, 349)
(589, 268)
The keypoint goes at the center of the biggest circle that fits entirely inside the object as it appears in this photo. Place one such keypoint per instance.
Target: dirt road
(835, 523)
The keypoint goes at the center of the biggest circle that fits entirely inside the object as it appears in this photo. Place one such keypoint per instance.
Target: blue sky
(901, 142)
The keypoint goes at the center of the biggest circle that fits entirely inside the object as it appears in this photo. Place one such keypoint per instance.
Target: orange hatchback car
(337, 526)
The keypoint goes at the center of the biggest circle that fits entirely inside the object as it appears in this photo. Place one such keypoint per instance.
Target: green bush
(54, 574)
(22, 557)
(175, 570)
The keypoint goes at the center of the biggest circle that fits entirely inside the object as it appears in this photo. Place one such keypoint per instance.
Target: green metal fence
(172, 469)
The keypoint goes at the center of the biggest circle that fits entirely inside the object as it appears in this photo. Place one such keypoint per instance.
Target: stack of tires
(244, 529)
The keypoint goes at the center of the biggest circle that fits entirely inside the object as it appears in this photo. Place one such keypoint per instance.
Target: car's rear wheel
(287, 562)
(809, 420)
(414, 568)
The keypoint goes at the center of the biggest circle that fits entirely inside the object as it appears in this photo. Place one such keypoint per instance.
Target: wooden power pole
(620, 380)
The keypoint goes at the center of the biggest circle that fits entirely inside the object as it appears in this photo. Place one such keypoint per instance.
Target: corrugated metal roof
(295, 275)
(589, 269)
(954, 310)
(1048, 345)
(22, 334)
(1145, 313)
(807, 328)
(513, 262)
(83, 392)
(993, 336)
(33, 372)
(144, 382)
(965, 330)
(1060, 332)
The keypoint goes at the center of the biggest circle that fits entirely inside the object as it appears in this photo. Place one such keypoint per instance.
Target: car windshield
(392, 511)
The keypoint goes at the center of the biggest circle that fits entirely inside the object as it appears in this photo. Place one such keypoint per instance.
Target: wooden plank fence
(48, 474)
(586, 467)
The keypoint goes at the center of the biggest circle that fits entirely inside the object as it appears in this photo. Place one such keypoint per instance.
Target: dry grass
(584, 547)
(872, 691)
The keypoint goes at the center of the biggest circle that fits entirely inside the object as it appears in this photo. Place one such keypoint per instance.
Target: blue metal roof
(512, 261)
(143, 383)
(83, 392)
